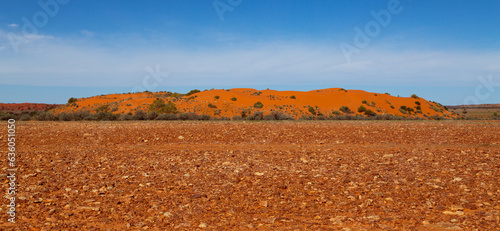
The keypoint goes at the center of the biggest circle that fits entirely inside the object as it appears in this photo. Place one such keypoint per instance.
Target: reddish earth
(349, 175)
(24, 107)
(218, 103)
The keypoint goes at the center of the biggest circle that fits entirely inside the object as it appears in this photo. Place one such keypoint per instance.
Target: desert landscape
(250, 115)
(242, 175)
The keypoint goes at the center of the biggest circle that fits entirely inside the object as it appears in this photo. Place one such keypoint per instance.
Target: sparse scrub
(258, 105)
(370, 113)
(361, 109)
(192, 92)
(345, 109)
(311, 110)
(256, 116)
(140, 115)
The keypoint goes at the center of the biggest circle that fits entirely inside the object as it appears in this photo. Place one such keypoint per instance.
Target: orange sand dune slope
(227, 103)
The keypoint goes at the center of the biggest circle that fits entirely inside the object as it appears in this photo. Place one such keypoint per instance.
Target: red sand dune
(324, 101)
(21, 107)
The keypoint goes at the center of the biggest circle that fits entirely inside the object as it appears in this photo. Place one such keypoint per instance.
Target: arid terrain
(26, 107)
(215, 175)
(480, 111)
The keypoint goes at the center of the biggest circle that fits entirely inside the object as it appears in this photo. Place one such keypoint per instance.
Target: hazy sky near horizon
(447, 51)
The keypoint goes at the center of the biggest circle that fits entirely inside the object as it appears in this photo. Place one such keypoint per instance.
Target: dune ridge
(228, 103)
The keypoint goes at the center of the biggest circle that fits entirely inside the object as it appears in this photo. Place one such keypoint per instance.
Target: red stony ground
(348, 175)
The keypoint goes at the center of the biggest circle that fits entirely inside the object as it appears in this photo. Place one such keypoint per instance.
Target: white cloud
(13, 25)
(86, 33)
(69, 63)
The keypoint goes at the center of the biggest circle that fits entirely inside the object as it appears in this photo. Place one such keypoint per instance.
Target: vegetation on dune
(193, 92)
(345, 109)
(160, 107)
(258, 105)
(361, 109)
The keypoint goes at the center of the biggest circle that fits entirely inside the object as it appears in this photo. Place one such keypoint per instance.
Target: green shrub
(211, 106)
(337, 113)
(72, 100)
(312, 110)
(370, 113)
(364, 101)
(25, 118)
(66, 116)
(126, 117)
(361, 109)
(217, 97)
(140, 115)
(417, 102)
(192, 92)
(414, 96)
(402, 110)
(233, 99)
(152, 115)
(256, 116)
(160, 107)
(275, 115)
(392, 106)
(292, 97)
(104, 108)
(258, 105)
(345, 109)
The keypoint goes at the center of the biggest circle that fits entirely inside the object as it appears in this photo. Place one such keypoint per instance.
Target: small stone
(180, 137)
(259, 173)
(202, 225)
(388, 156)
(168, 214)
(460, 213)
(455, 179)
(457, 208)
(263, 203)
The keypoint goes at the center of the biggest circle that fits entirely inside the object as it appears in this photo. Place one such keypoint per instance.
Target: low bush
(345, 109)
(370, 113)
(258, 105)
(192, 92)
(167, 117)
(140, 115)
(361, 109)
(256, 116)
(311, 110)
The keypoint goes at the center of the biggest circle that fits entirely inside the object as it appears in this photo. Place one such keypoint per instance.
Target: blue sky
(446, 51)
